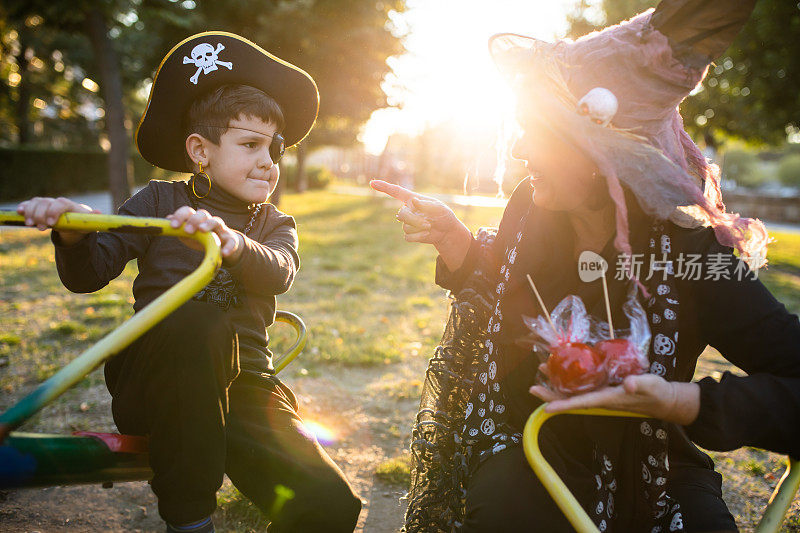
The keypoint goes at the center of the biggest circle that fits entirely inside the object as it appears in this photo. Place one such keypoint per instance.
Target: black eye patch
(277, 147)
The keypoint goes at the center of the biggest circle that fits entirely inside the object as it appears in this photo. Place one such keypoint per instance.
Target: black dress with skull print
(721, 304)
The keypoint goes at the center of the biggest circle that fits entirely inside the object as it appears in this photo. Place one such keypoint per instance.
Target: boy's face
(241, 164)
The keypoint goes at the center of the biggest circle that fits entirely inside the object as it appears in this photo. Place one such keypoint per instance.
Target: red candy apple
(621, 359)
(575, 367)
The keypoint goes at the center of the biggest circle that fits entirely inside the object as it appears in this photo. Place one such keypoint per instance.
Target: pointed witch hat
(615, 94)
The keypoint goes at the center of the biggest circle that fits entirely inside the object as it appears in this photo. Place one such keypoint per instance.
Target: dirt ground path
(368, 411)
(369, 424)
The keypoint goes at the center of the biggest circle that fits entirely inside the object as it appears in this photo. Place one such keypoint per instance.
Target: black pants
(180, 384)
(504, 494)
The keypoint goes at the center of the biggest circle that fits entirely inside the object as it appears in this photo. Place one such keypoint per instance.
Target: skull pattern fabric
(222, 291)
(486, 430)
(662, 310)
(625, 482)
(663, 304)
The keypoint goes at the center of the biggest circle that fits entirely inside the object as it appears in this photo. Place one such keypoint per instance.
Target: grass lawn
(374, 316)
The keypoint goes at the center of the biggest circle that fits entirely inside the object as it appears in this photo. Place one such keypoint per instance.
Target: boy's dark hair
(210, 114)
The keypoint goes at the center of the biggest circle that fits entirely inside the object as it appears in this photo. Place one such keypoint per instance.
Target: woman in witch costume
(615, 174)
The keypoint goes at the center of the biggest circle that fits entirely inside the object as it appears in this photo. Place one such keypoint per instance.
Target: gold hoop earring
(194, 179)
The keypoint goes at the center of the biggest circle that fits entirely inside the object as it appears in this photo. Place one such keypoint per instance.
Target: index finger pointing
(395, 191)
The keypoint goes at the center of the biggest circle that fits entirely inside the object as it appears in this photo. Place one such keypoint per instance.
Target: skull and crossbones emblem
(206, 58)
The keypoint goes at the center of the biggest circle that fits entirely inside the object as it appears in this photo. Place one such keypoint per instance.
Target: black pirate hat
(207, 60)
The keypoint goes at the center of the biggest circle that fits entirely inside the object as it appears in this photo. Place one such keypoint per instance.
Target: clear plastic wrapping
(581, 355)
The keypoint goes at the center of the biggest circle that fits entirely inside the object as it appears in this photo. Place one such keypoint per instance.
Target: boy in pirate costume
(614, 173)
(200, 384)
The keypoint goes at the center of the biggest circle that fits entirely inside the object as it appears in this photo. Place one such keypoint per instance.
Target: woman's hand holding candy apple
(646, 394)
(578, 372)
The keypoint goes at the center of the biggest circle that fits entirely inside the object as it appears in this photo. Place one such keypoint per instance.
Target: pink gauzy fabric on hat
(635, 62)
(645, 147)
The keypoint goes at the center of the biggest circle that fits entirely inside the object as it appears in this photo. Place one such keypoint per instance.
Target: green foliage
(754, 467)
(752, 87)
(355, 238)
(750, 91)
(68, 327)
(789, 170)
(396, 471)
(236, 513)
(343, 44)
(741, 166)
(47, 47)
(317, 177)
(37, 171)
(9, 339)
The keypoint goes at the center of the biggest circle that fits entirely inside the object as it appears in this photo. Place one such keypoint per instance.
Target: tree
(37, 84)
(789, 170)
(106, 28)
(751, 91)
(741, 166)
(343, 44)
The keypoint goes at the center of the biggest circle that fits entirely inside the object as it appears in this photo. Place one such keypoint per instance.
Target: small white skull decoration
(646, 476)
(206, 58)
(677, 522)
(658, 369)
(663, 345)
(600, 105)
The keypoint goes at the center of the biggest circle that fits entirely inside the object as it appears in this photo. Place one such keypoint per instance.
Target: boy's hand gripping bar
(134, 327)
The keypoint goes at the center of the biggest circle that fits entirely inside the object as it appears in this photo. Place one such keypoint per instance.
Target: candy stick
(608, 305)
(541, 303)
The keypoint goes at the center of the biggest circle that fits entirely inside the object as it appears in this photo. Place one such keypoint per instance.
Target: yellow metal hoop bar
(133, 328)
(552, 482)
(294, 350)
(774, 514)
(781, 499)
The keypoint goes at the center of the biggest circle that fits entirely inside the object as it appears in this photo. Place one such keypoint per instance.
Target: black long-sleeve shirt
(266, 268)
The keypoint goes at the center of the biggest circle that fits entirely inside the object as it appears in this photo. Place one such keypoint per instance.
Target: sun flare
(447, 75)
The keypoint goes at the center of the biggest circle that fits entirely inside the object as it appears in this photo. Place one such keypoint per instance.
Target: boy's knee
(330, 506)
(342, 508)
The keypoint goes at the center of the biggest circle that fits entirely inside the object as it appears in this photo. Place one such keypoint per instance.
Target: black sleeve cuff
(454, 281)
(705, 428)
(55, 238)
